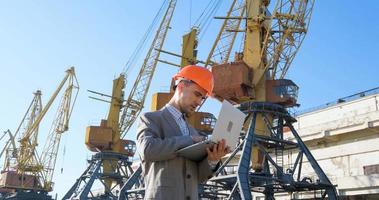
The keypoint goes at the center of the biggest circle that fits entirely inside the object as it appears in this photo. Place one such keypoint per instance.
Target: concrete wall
(343, 138)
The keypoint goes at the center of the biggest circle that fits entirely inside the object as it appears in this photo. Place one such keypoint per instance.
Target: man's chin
(190, 112)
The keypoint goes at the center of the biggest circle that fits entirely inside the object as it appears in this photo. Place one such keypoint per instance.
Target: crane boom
(59, 126)
(25, 156)
(290, 21)
(10, 141)
(222, 47)
(134, 103)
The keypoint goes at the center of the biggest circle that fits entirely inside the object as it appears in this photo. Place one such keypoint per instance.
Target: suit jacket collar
(171, 121)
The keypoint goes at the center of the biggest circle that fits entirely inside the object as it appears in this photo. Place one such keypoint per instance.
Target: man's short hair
(182, 80)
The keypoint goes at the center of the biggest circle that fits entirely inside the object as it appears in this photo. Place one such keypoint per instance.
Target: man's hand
(219, 150)
(197, 139)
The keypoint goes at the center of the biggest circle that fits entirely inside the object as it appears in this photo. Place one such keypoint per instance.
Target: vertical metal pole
(244, 164)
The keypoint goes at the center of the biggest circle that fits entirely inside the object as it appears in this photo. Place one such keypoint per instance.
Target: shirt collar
(174, 111)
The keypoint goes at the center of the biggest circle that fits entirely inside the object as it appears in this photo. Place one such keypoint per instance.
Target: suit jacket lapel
(171, 121)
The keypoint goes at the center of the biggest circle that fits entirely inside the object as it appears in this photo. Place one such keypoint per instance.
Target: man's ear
(179, 86)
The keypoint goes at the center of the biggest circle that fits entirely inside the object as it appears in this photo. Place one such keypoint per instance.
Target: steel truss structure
(273, 178)
(134, 187)
(94, 172)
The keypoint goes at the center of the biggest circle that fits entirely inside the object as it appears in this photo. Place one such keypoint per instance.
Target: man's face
(191, 96)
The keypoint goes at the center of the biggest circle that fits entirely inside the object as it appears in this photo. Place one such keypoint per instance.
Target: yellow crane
(27, 178)
(30, 174)
(59, 126)
(29, 118)
(111, 165)
(271, 41)
(256, 81)
(133, 104)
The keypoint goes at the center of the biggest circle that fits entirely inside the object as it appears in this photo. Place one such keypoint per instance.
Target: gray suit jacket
(166, 175)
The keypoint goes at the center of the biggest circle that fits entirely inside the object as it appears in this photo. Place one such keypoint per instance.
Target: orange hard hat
(200, 75)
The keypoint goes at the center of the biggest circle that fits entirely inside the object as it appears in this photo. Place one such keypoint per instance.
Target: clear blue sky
(39, 40)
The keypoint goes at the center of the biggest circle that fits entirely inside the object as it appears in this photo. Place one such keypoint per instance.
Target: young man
(161, 133)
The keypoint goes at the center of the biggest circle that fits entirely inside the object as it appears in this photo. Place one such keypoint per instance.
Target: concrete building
(344, 138)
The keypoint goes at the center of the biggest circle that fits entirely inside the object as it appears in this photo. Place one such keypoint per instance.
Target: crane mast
(27, 161)
(255, 81)
(134, 103)
(270, 44)
(34, 109)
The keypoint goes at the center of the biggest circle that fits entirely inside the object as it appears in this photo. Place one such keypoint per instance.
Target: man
(161, 133)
